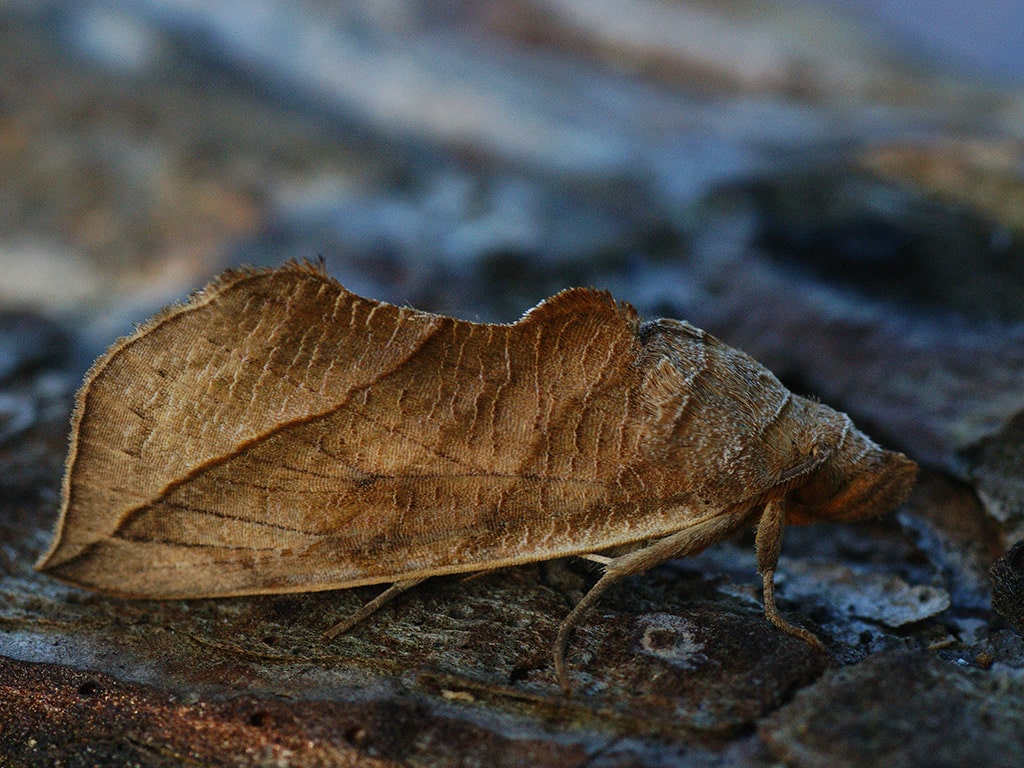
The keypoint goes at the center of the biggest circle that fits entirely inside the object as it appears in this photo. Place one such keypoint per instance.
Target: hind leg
(371, 607)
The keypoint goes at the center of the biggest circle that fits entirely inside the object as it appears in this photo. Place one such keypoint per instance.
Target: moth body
(278, 433)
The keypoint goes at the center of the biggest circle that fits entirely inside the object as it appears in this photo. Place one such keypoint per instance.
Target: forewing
(446, 446)
(251, 352)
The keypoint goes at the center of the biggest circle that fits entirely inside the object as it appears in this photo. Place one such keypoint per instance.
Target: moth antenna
(370, 608)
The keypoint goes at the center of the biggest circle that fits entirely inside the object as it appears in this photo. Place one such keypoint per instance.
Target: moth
(277, 433)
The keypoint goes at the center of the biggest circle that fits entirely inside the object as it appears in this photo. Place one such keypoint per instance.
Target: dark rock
(1008, 586)
(902, 710)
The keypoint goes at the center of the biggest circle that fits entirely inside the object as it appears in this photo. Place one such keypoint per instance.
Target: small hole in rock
(89, 688)
(355, 735)
(660, 640)
(520, 673)
(258, 719)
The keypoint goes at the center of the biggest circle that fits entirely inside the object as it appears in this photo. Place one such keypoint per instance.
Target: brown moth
(277, 433)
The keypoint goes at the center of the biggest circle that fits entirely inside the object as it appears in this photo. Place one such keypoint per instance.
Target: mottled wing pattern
(279, 433)
(202, 380)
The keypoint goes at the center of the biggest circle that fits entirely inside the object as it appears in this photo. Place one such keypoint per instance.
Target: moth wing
(487, 445)
(253, 350)
(301, 511)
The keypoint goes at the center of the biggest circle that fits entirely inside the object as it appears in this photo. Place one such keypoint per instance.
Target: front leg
(769, 543)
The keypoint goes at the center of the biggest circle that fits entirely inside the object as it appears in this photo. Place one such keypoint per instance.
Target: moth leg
(686, 542)
(369, 608)
(768, 541)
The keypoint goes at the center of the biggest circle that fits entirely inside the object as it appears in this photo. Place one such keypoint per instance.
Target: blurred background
(475, 156)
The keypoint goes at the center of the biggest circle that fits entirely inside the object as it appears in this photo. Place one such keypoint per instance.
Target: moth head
(854, 479)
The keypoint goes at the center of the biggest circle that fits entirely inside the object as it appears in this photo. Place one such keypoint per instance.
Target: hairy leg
(371, 607)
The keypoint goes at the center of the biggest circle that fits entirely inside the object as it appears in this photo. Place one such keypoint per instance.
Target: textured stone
(902, 710)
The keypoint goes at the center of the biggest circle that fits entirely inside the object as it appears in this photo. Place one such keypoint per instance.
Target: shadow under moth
(277, 433)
